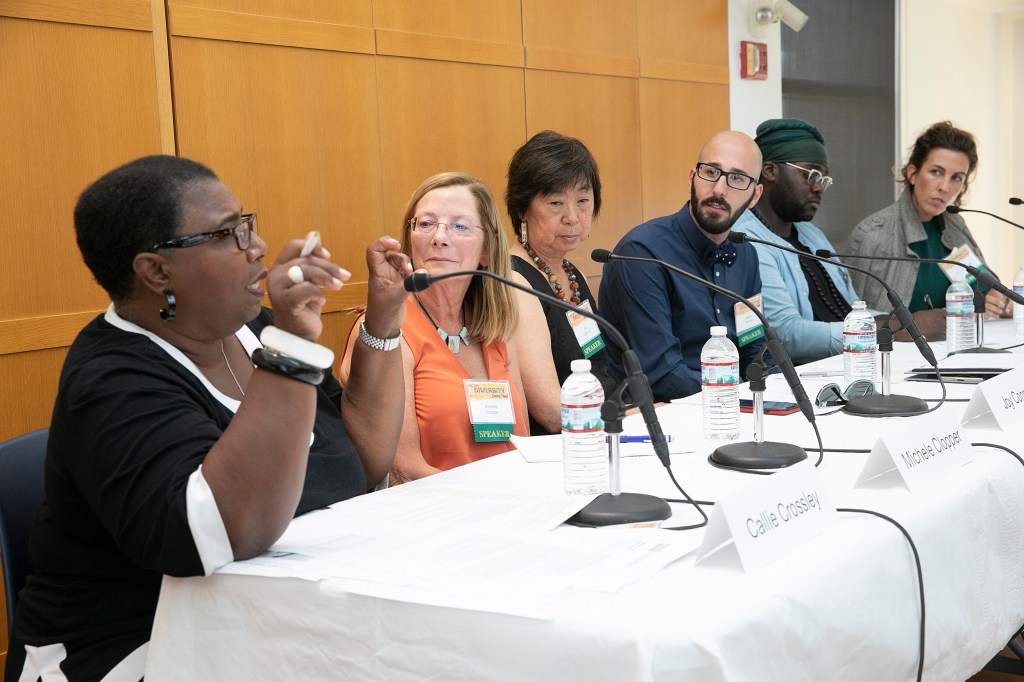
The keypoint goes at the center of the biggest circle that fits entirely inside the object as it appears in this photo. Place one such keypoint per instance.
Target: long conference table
(470, 574)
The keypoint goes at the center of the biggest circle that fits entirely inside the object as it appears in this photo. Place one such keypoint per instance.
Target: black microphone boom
(983, 276)
(1016, 201)
(872, 405)
(956, 209)
(616, 507)
(744, 455)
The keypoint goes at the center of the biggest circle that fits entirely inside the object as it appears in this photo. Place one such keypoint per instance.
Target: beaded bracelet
(287, 367)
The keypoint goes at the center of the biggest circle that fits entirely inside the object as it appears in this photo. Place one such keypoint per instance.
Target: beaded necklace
(816, 276)
(574, 286)
(454, 342)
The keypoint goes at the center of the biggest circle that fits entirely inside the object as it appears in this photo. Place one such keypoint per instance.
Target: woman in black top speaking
(187, 430)
(553, 197)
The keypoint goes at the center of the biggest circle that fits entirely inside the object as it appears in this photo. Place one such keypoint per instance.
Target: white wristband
(297, 348)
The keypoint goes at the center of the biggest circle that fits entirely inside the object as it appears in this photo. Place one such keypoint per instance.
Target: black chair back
(21, 493)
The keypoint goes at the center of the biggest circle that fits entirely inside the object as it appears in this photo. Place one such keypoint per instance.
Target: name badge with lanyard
(588, 334)
(748, 324)
(962, 254)
(490, 409)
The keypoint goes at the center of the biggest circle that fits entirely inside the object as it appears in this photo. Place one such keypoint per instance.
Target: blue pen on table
(638, 439)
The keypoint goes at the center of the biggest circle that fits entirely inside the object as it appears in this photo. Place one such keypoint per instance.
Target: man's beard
(712, 224)
(787, 207)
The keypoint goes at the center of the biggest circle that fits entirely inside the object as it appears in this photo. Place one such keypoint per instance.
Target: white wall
(751, 102)
(961, 60)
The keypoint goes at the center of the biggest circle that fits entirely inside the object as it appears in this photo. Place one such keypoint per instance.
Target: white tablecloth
(844, 606)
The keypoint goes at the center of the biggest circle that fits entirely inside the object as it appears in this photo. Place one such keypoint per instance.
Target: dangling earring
(167, 314)
(523, 238)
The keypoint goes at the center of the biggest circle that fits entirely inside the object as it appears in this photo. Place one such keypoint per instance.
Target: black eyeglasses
(735, 180)
(814, 176)
(242, 231)
(831, 395)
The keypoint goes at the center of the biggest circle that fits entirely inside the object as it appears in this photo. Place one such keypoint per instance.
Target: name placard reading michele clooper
(917, 452)
(765, 521)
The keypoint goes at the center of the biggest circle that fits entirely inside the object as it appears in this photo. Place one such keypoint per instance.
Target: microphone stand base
(979, 349)
(754, 455)
(608, 510)
(885, 406)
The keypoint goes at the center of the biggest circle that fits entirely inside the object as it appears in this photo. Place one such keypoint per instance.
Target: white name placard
(997, 403)
(917, 452)
(763, 522)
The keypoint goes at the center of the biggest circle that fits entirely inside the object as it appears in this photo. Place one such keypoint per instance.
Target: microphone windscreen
(1016, 201)
(737, 237)
(824, 253)
(953, 209)
(600, 255)
(417, 281)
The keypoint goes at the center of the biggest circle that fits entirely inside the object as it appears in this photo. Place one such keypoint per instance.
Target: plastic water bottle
(719, 387)
(860, 345)
(584, 452)
(1018, 310)
(961, 326)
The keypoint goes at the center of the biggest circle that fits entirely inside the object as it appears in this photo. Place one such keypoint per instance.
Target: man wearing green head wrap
(805, 300)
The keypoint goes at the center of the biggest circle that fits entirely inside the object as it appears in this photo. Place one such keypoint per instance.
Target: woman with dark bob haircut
(942, 163)
(553, 197)
(190, 426)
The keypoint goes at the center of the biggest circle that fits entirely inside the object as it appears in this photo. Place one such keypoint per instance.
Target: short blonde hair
(489, 306)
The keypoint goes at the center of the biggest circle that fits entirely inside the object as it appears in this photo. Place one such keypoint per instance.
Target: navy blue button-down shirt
(665, 317)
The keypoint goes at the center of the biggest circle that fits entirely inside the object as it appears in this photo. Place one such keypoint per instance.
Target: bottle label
(859, 342)
(1018, 288)
(959, 308)
(584, 418)
(719, 373)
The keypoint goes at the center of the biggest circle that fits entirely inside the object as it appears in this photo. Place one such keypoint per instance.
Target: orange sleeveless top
(446, 434)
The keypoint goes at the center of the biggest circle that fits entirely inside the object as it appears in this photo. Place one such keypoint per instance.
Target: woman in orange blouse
(458, 330)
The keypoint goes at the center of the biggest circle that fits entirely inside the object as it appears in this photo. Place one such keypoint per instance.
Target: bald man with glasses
(665, 317)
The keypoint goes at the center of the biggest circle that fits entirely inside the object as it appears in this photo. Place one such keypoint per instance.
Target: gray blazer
(890, 233)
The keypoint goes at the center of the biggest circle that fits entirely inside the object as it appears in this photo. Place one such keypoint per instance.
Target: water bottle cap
(859, 305)
(719, 331)
(580, 365)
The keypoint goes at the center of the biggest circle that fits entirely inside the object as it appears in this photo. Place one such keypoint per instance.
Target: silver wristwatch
(376, 343)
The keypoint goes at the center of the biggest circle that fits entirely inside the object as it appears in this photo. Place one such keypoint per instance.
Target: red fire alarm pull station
(753, 61)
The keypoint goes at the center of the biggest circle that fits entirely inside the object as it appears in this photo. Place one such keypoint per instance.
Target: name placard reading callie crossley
(763, 522)
(997, 403)
(917, 452)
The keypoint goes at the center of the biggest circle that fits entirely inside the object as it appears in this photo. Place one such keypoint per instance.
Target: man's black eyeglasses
(242, 232)
(740, 181)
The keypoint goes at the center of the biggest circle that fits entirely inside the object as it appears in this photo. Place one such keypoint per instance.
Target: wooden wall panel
(77, 101)
(496, 21)
(675, 120)
(589, 36)
(348, 12)
(444, 116)
(603, 112)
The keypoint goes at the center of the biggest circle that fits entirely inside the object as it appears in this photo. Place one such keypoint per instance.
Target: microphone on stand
(757, 454)
(613, 507)
(872, 405)
(982, 276)
(956, 209)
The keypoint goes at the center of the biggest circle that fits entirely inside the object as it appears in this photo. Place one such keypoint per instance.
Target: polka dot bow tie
(725, 254)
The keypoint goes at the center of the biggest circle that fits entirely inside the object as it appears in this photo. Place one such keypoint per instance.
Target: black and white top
(126, 502)
(564, 346)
